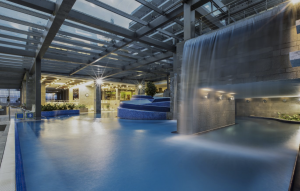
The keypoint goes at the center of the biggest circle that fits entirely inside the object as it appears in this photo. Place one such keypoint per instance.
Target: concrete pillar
(30, 91)
(117, 94)
(21, 94)
(23, 99)
(168, 82)
(97, 98)
(43, 94)
(38, 99)
(189, 21)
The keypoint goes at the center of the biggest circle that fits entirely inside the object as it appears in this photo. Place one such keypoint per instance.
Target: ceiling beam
(18, 52)
(140, 63)
(85, 77)
(22, 10)
(20, 31)
(18, 44)
(149, 5)
(43, 6)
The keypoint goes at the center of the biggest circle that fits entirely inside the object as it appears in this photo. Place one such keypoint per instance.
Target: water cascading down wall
(251, 50)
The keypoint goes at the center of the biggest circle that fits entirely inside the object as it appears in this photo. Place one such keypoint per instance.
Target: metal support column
(117, 94)
(189, 21)
(200, 26)
(38, 102)
(228, 14)
(97, 98)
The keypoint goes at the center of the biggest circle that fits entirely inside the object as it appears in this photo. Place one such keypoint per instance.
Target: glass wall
(51, 96)
(12, 93)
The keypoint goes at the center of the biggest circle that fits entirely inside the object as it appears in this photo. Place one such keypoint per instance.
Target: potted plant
(82, 108)
(71, 106)
(150, 89)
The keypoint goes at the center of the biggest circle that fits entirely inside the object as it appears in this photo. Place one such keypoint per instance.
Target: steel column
(38, 100)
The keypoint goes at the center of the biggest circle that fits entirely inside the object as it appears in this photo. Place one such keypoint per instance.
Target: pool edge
(20, 178)
(7, 170)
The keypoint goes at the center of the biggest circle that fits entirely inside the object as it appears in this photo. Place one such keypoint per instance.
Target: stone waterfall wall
(214, 112)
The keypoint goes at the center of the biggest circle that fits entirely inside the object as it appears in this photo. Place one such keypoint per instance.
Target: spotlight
(140, 86)
(295, 1)
(99, 81)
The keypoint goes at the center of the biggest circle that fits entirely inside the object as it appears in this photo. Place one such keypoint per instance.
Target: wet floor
(88, 153)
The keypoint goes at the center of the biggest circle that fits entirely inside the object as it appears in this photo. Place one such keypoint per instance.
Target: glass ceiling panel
(87, 33)
(127, 6)
(124, 5)
(6, 15)
(22, 16)
(12, 33)
(208, 7)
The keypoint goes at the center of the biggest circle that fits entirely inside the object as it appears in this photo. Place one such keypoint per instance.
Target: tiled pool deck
(88, 153)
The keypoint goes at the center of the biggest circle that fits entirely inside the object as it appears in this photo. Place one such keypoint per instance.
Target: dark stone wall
(269, 108)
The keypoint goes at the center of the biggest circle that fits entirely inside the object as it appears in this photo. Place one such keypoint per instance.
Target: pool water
(89, 153)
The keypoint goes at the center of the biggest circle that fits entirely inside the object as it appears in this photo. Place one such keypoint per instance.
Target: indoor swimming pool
(89, 153)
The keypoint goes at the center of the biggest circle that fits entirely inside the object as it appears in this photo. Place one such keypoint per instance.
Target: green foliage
(49, 107)
(151, 89)
(289, 117)
(62, 107)
(123, 95)
(71, 106)
(80, 106)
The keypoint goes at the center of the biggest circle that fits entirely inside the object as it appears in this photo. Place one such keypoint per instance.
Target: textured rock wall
(268, 108)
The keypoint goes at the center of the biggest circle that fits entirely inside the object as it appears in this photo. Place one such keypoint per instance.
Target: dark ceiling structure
(143, 51)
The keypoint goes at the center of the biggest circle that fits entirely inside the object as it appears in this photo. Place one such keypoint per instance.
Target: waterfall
(217, 57)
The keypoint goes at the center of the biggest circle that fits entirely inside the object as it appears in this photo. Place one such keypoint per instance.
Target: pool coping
(19, 172)
(3, 138)
(8, 168)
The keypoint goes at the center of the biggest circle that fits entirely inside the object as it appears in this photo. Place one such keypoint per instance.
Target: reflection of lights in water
(291, 142)
(193, 142)
(140, 131)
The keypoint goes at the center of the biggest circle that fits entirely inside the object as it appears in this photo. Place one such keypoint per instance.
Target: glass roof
(126, 6)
